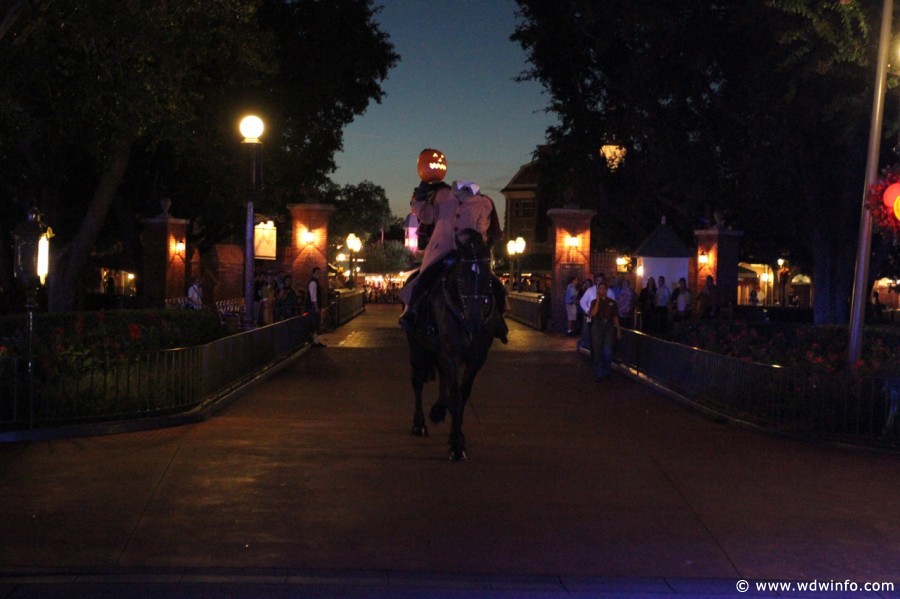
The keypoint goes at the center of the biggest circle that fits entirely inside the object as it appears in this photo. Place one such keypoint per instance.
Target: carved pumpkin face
(432, 165)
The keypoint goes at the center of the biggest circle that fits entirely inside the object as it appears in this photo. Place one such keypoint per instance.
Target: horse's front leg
(455, 405)
(419, 429)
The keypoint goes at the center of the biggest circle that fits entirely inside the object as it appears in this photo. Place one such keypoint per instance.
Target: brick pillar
(571, 256)
(721, 247)
(165, 259)
(309, 242)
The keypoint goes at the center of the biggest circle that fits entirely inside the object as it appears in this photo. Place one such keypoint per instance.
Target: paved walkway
(309, 485)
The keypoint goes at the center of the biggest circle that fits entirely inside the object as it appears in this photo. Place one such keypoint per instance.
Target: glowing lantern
(897, 209)
(432, 165)
(890, 195)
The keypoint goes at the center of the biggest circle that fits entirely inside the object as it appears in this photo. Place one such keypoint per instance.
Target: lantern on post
(31, 264)
(32, 252)
(614, 155)
(354, 244)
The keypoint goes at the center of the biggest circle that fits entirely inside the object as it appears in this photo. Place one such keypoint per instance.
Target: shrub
(109, 334)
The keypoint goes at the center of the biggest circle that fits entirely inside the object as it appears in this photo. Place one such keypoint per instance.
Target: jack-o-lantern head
(432, 165)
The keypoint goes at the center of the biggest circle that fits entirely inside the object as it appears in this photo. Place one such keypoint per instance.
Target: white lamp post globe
(251, 127)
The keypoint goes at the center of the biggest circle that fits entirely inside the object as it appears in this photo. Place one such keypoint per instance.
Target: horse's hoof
(419, 431)
(458, 455)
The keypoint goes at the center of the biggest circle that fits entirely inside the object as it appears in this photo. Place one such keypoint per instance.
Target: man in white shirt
(663, 295)
(195, 295)
(313, 295)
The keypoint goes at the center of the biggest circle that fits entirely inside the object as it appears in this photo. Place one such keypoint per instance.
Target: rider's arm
(426, 210)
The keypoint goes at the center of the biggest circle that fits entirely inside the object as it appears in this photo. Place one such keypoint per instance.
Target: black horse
(456, 326)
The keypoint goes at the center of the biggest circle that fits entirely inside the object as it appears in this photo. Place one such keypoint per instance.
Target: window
(523, 209)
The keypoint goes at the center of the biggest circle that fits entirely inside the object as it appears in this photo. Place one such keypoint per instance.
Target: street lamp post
(251, 128)
(515, 249)
(354, 244)
(31, 266)
(861, 274)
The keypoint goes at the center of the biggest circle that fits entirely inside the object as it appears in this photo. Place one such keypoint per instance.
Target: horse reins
(465, 297)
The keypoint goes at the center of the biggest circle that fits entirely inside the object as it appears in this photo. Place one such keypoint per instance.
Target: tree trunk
(66, 281)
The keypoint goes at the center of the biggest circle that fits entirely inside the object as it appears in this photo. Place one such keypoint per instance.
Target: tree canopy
(361, 209)
(759, 110)
(109, 106)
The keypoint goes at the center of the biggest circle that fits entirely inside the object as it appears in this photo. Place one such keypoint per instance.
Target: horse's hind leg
(419, 429)
(419, 376)
(439, 409)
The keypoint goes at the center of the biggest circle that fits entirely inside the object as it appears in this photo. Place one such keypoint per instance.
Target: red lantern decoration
(883, 201)
(432, 165)
(890, 195)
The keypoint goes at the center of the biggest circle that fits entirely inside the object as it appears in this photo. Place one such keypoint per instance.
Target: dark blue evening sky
(453, 90)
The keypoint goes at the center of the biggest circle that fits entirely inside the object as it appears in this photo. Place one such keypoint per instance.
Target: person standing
(663, 296)
(605, 330)
(682, 301)
(625, 300)
(647, 303)
(585, 320)
(195, 295)
(313, 305)
(709, 299)
(286, 303)
(571, 304)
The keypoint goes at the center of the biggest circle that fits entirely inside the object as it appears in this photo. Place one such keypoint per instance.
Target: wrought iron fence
(532, 309)
(73, 389)
(838, 406)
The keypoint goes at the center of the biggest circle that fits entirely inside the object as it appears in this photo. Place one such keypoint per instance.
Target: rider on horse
(451, 210)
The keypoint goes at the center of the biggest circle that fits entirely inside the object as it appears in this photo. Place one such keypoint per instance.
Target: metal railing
(346, 304)
(836, 406)
(86, 388)
(532, 309)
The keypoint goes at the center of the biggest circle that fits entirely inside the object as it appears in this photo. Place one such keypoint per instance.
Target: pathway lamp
(515, 249)
(354, 244)
(31, 264)
(251, 128)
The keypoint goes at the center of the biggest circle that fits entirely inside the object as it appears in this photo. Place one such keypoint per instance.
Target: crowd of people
(652, 309)
(597, 309)
(274, 297)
